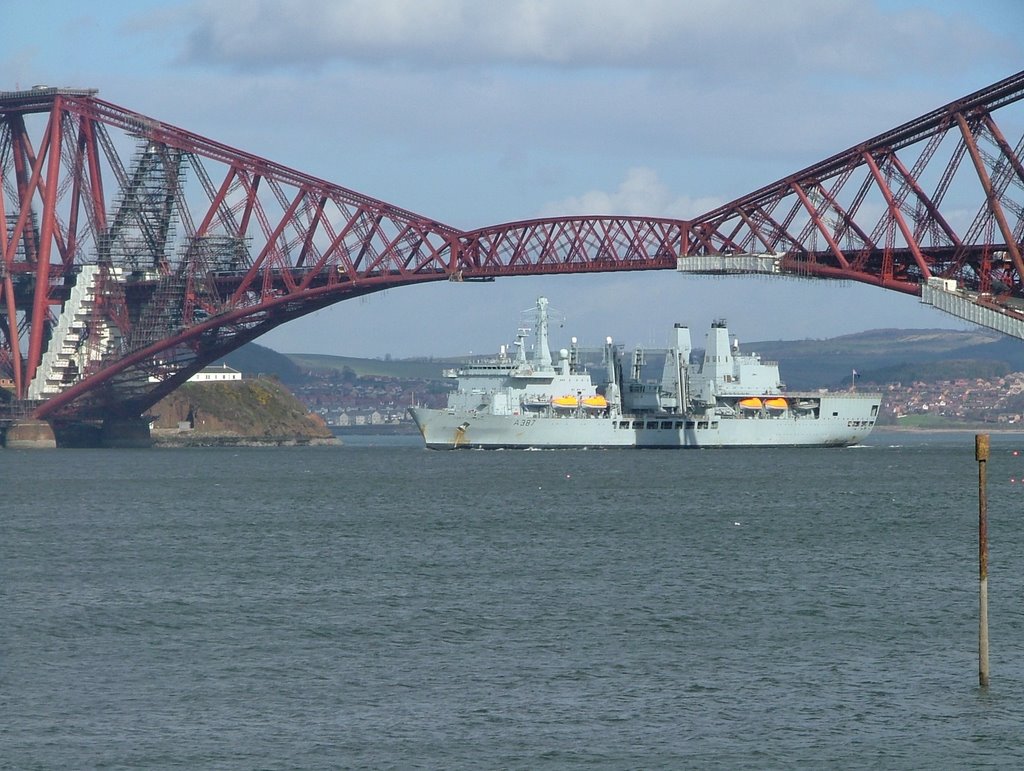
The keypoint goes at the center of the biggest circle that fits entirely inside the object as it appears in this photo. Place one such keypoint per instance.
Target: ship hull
(841, 420)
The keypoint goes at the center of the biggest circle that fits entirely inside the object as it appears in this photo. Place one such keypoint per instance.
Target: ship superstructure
(727, 399)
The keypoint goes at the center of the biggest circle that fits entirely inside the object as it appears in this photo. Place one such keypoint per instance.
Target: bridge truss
(134, 253)
(941, 196)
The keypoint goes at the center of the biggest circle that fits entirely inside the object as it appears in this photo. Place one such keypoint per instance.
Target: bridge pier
(30, 435)
(125, 433)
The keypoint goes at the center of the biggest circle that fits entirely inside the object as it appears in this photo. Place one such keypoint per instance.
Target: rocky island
(252, 412)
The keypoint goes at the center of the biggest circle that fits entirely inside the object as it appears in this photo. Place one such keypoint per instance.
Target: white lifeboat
(536, 400)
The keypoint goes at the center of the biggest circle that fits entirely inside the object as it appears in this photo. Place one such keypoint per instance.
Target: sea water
(380, 605)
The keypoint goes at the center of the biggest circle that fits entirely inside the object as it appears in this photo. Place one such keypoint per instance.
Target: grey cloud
(712, 39)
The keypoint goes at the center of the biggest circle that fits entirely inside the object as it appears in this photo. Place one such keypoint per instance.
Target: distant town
(998, 400)
(346, 400)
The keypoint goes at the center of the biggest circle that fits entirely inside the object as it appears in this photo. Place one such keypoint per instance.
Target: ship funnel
(680, 341)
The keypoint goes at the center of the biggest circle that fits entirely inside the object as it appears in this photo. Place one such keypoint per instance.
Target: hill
(255, 360)
(235, 412)
(879, 356)
(400, 369)
(888, 355)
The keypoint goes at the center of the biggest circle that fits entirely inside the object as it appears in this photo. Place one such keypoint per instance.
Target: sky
(479, 112)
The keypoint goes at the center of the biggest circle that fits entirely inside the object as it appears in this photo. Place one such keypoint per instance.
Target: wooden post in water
(981, 455)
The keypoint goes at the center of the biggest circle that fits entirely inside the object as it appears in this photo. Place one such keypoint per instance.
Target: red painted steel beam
(894, 212)
(572, 244)
(376, 244)
(314, 299)
(41, 301)
(11, 349)
(925, 200)
(990, 197)
(172, 136)
(748, 222)
(815, 216)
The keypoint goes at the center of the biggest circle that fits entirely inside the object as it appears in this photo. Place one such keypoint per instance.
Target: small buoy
(736, 523)
(1016, 453)
(568, 476)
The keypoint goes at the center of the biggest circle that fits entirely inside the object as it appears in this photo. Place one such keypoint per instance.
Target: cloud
(711, 39)
(721, 95)
(641, 193)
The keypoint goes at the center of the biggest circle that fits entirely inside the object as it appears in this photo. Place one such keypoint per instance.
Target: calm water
(379, 605)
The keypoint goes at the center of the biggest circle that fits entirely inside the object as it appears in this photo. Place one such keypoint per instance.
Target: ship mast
(542, 356)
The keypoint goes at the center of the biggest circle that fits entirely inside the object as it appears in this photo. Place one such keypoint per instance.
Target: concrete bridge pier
(30, 434)
(125, 432)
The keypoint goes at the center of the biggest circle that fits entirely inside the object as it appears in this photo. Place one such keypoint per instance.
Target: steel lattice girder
(203, 247)
(877, 218)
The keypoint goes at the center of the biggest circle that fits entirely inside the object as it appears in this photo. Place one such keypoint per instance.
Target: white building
(215, 373)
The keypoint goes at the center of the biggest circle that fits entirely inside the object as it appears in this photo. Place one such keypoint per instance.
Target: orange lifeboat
(776, 403)
(596, 402)
(751, 403)
(564, 402)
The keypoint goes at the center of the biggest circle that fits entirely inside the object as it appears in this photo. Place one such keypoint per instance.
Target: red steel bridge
(135, 252)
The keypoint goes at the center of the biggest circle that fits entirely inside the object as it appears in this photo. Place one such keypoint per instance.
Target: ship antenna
(520, 345)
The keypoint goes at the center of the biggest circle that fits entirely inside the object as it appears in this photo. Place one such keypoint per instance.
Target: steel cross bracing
(135, 252)
(940, 197)
(200, 249)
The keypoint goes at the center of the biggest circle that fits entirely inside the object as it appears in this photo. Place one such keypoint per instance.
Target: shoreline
(946, 430)
(188, 439)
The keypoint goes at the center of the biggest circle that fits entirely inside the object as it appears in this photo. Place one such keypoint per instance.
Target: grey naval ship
(729, 399)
